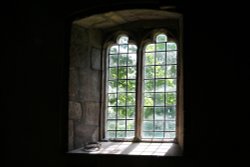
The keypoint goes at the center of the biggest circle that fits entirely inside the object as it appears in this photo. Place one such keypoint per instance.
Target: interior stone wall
(85, 73)
(84, 86)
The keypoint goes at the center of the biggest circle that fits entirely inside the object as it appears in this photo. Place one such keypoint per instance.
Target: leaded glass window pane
(121, 88)
(159, 87)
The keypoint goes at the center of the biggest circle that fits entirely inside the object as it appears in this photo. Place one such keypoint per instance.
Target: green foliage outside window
(159, 88)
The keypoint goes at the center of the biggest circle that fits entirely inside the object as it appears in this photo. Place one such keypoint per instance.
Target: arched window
(141, 89)
(121, 89)
(159, 88)
(125, 82)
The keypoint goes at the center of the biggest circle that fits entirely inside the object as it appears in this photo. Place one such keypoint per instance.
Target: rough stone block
(90, 85)
(79, 47)
(75, 110)
(96, 59)
(73, 83)
(71, 135)
(92, 111)
(115, 18)
(95, 37)
(90, 21)
(84, 134)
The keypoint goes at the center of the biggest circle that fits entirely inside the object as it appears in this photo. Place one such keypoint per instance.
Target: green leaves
(160, 47)
(130, 124)
(112, 99)
(149, 58)
(159, 113)
(170, 98)
(158, 87)
(160, 58)
(171, 46)
(121, 87)
(113, 49)
(170, 85)
(131, 85)
(149, 85)
(148, 99)
(159, 99)
(159, 71)
(172, 57)
(148, 113)
(132, 48)
(171, 71)
(149, 72)
(121, 99)
(150, 48)
(161, 38)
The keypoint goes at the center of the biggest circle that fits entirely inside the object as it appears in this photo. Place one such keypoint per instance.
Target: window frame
(149, 37)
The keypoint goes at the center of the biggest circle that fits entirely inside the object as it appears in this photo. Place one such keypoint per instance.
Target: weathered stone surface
(90, 85)
(96, 59)
(73, 83)
(71, 135)
(112, 19)
(95, 135)
(79, 47)
(75, 110)
(84, 134)
(89, 22)
(115, 18)
(95, 38)
(92, 111)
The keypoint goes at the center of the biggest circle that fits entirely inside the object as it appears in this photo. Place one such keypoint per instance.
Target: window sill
(130, 148)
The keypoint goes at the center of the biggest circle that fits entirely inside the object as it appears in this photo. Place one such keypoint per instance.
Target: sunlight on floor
(151, 149)
(129, 148)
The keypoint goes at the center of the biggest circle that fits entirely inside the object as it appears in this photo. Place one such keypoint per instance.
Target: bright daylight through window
(141, 89)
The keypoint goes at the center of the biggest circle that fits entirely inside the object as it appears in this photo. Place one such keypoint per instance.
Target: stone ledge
(130, 148)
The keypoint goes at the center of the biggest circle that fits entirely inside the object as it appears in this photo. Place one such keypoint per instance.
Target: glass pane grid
(159, 104)
(159, 94)
(121, 78)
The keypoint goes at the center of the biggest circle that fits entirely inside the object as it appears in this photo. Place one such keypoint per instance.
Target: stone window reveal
(110, 95)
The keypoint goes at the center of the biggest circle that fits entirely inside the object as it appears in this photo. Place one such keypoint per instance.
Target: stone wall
(85, 74)
(84, 86)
